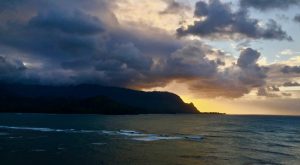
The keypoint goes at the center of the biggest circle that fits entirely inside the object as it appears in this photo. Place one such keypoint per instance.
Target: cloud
(11, 69)
(287, 52)
(290, 69)
(297, 18)
(60, 42)
(265, 93)
(75, 22)
(274, 88)
(252, 73)
(248, 58)
(80, 48)
(268, 5)
(233, 81)
(174, 7)
(272, 92)
(93, 53)
(192, 61)
(231, 25)
(7, 66)
(291, 84)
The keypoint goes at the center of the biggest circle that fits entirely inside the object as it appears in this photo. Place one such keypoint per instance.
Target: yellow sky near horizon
(248, 105)
(222, 106)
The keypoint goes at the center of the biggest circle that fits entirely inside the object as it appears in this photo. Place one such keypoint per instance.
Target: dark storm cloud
(290, 69)
(10, 66)
(222, 22)
(54, 34)
(75, 22)
(11, 70)
(269, 4)
(80, 47)
(297, 18)
(192, 61)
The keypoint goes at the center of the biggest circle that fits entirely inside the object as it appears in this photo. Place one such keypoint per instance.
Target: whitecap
(30, 128)
(156, 138)
(40, 129)
(99, 144)
(130, 133)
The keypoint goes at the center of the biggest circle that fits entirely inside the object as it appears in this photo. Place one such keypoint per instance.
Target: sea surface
(45, 139)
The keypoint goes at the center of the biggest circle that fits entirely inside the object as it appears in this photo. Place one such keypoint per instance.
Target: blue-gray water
(148, 139)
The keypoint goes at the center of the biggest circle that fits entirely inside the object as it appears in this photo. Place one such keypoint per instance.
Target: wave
(37, 129)
(156, 138)
(139, 136)
(131, 134)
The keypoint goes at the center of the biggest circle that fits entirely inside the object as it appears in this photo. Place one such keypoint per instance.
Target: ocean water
(45, 139)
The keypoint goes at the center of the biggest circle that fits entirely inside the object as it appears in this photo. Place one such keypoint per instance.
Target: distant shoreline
(212, 113)
(201, 113)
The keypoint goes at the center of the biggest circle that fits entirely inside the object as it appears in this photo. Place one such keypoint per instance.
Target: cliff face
(89, 99)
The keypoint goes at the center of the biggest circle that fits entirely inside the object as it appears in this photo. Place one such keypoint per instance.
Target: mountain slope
(89, 99)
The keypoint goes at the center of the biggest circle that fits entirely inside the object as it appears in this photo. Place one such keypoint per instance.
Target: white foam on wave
(156, 138)
(32, 129)
(138, 136)
(48, 129)
(124, 133)
(131, 134)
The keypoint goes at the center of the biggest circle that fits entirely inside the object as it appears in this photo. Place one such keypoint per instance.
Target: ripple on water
(267, 151)
(38, 150)
(99, 144)
(3, 134)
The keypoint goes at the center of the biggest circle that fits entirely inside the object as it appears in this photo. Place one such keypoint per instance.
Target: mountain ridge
(87, 98)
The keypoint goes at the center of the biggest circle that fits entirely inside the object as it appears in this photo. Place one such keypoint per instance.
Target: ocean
(46, 139)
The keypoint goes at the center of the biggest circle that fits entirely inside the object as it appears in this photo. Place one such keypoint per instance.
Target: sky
(237, 57)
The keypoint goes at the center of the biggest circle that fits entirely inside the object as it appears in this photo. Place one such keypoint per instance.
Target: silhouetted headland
(89, 99)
